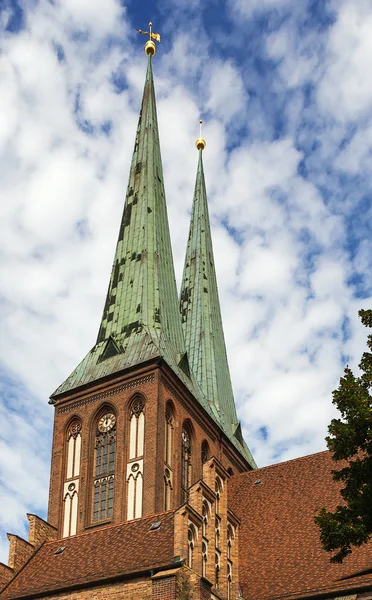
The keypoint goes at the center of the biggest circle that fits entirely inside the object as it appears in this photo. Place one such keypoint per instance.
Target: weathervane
(150, 47)
(200, 142)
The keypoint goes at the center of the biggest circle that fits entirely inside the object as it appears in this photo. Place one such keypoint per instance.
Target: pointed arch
(168, 454)
(72, 474)
(205, 452)
(136, 426)
(136, 413)
(186, 459)
(103, 467)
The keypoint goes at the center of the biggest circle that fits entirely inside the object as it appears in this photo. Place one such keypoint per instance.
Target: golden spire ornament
(200, 142)
(150, 46)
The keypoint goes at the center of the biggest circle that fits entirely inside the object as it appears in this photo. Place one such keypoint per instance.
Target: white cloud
(279, 214)
(346, 90)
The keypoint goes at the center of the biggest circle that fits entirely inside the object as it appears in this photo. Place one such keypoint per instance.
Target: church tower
(146, 424)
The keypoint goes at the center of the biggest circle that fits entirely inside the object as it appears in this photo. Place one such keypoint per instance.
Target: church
(154, 493)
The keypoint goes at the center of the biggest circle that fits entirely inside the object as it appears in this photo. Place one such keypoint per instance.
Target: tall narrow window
(204, 452)
(71, 485)
(104, 468)
(135, 462)
(230, 537)
(186, 462)
(168, 456)
(205, 514)
(217, 569)
(191, 545)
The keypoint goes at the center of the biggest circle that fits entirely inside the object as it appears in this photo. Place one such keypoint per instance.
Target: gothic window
(229, 580)
(135, 462)
(217, 569)
(137, 429)
(205, 514)
(71, 485)
(186, 462)
(204, 452)
(168, 456)
(230, 537)
(104, 467)
(204, 558)
(169, 427)
(205, 518)
(190, 545)
(218, 531)
(218, 488)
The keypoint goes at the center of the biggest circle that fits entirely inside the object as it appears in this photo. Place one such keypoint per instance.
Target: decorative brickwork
(106, 394)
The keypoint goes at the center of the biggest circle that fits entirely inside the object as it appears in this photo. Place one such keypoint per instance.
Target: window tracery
(186, 462)
(71, 485)
(190, 545)
(230, 538)
(168, 455)
(135, 462)
(104, 467)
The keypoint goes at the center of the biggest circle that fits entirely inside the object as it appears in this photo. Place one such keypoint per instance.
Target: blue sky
(284, 91)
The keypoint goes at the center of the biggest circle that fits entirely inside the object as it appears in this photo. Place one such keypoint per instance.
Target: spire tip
(200, 142)
(150, 47)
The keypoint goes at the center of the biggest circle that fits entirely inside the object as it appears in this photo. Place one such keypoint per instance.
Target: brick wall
(157, 387)
(137, 589)
(40, 531)
(19, 552)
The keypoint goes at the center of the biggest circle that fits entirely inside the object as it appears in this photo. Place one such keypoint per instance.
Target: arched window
(186, 461)
(71, 486)
(190, 545)
(135, 462)
(137, 429)
(204, 452)
(168, 455)
(204, 558)
(218, 488)
(169, 427)
(104, 467)
(230, 538)
(229, 580)
(217, 569)
(205, 516)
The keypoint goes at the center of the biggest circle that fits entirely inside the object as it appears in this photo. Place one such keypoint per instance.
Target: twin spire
(141, 318)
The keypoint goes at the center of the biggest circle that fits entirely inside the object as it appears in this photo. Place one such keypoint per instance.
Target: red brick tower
(145, 425)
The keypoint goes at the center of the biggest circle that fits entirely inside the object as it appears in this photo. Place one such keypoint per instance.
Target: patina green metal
(141, 316)
(202, 322)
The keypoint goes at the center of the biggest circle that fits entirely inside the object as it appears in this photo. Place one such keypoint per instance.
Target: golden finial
(200, 142)
(150, 47)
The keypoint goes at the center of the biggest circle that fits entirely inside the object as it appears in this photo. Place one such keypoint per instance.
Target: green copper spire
(141, 317)
(201, 318)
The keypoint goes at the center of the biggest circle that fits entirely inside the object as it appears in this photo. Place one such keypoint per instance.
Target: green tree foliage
(350, 441)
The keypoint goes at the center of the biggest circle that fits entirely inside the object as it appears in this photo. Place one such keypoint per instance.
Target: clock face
(106, 422)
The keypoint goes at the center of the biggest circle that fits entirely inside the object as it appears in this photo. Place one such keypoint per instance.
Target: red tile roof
(280, 553)
(96, 555)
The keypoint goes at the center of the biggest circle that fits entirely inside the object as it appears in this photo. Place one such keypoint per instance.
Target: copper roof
(96, 556)
(280, 552)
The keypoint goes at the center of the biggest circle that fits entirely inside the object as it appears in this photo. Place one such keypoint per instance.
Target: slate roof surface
(202, 321)
(96, 555)
(280, 551)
